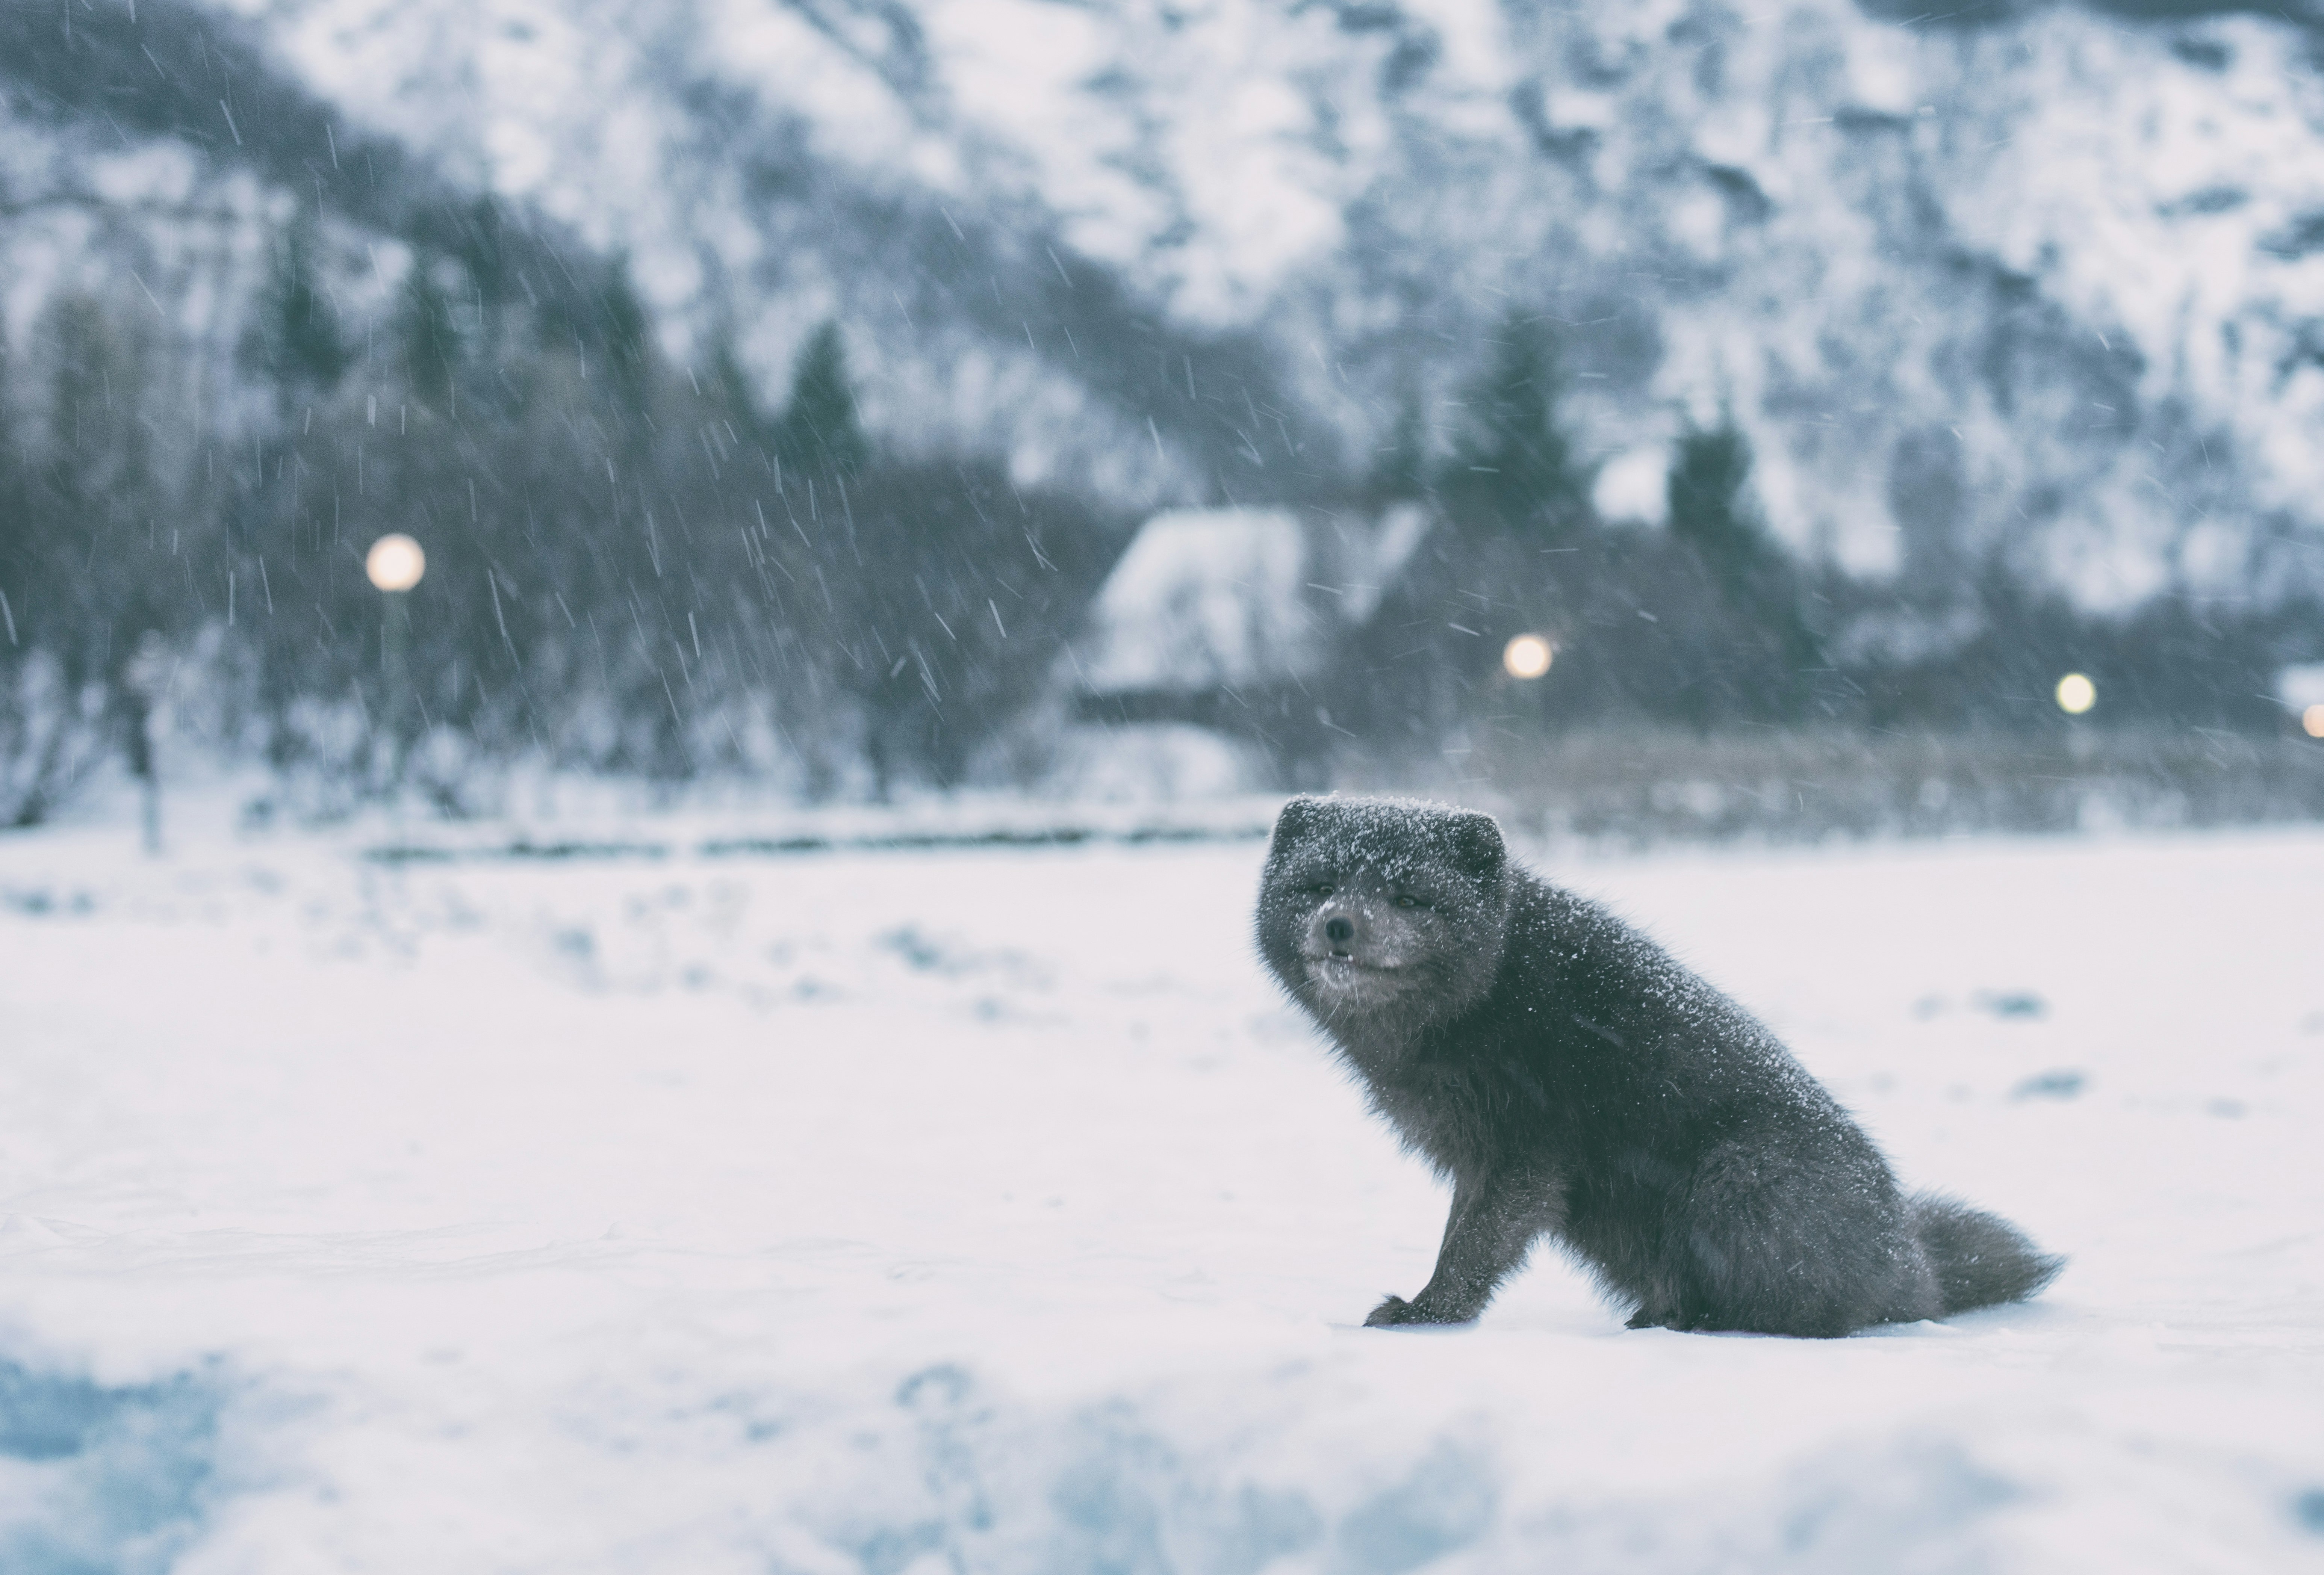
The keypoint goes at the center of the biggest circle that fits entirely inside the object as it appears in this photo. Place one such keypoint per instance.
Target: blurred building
(1224, 620)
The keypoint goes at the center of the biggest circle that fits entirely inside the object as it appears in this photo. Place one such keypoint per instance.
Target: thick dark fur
(1572, 1080)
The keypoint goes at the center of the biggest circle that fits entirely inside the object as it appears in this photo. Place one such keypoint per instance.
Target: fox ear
(1476, 847)
(1298, 816)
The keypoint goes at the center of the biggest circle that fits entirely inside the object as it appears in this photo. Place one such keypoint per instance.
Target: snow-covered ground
(908, 1213)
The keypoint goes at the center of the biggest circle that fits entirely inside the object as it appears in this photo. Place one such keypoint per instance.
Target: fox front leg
(1494, 1223)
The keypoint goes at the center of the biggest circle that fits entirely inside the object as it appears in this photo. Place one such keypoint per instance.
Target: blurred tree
(1426, 664)
(731, 398)
(1710, 512)
(1399, 470)
(605, 327)
(819, 431)
(24, 552)
(951, 622)
(627, 336)
(431, 343)
(15, 521)
(1512, 469)
(97, 579)
(479, 240)
(294, 344)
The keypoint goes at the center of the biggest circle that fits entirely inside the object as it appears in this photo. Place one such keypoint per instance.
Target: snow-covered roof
(1206, 597)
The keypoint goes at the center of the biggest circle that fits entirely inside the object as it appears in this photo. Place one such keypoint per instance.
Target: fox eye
(1408, 900)
(1320, 888)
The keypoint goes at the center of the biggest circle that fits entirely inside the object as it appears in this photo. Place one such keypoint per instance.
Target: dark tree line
(98, 535)
(632, 566)
(647, 569)
(1710, 623)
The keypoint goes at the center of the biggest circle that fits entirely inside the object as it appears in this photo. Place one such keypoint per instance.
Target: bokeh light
(395, 562)
(2076, 693)
(2311, 722)
(1526, 657)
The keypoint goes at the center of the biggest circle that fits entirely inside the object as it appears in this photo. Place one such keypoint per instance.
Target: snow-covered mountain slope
(2045, 279)
(2041, 281)
(988, 1211)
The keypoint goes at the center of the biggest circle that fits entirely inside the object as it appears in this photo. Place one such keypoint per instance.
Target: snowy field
(912, 1212)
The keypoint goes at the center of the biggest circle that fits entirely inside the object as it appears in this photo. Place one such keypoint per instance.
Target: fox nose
(1338, 931)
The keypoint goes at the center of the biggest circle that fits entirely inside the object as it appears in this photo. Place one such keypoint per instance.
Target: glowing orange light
(395, 562)
(2311, 722)
(1527, 656)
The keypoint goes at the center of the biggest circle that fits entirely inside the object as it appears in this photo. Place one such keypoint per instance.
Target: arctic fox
(1573, 1081)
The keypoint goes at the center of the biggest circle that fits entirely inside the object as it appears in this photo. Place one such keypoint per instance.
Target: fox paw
(1396, 1313)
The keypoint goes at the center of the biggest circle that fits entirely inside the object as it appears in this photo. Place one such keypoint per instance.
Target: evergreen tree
(1512, 469)
(21, 556)
(15, 521)
(97, 466)
(99, 582)
(431, 341)
(479, 240)
(295, 344)
(819, 430)
(627, 335)
(733, 394)
(1400, 470)
(1710, 510)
